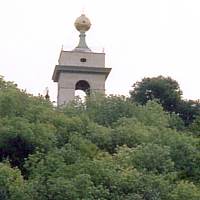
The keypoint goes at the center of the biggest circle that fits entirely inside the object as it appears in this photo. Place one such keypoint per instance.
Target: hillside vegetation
(107, 148)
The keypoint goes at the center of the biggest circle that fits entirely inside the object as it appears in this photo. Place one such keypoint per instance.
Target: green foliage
(152, 114)
(12, 186)
(67, 126)
(101, 136)
(106, 148)
(107, 110)
(147, 157)
(168, 93)
(19, 138)
(188, 110)
(195, 127)
(184, 191)
(12, 102)
(15, 140)
(166, 90)
(175, 122)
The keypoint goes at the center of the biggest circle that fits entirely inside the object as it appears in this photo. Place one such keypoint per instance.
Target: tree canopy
(167, 92)
(105, 148)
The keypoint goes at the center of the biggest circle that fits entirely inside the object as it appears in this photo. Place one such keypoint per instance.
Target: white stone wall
(67, 82)
(72, 58)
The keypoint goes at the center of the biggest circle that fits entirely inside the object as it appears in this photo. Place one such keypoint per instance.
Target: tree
(152, 157)
(195, 127)
(185, 191)
(188, 110)
(106, 110)
(12, 185)
(104, 148)
(165, 89)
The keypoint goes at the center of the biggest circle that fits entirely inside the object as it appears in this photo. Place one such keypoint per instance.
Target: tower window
(83, 59)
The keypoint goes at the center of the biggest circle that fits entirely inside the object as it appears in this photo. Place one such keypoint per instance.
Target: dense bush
(105, 148)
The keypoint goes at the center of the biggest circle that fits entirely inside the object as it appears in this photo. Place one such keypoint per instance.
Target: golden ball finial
(82, 23)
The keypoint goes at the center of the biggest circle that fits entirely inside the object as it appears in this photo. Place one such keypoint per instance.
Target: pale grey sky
(142, 38)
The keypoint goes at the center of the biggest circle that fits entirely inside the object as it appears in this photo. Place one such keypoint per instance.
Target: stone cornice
(79, 69)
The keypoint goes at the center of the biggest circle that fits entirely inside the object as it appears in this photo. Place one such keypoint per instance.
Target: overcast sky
(141, 38)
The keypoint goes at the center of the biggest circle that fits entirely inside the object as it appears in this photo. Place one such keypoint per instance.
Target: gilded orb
(82, 23)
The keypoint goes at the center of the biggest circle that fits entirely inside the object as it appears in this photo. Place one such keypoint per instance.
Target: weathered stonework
(80, 69)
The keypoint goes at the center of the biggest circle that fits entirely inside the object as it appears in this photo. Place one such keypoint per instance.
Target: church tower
(81, 68)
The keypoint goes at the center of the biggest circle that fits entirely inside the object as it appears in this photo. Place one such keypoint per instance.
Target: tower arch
(83, 85)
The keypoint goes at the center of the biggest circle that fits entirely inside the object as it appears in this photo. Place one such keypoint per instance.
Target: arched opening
(82, 89)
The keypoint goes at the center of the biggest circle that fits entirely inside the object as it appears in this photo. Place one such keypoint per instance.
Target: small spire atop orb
(82, 23)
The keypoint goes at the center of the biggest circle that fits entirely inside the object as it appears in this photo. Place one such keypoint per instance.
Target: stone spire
(82, 24)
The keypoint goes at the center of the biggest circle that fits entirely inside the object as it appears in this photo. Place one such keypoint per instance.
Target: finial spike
(83, 10)
(47, 97)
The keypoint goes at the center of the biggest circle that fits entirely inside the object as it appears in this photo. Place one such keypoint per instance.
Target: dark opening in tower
(82, 89)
